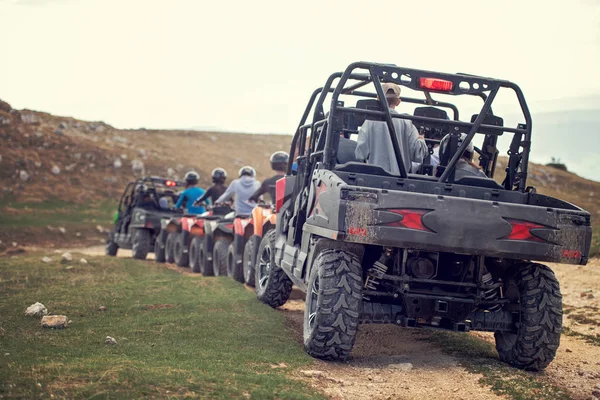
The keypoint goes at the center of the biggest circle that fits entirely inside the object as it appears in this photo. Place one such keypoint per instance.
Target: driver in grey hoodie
(242, 188)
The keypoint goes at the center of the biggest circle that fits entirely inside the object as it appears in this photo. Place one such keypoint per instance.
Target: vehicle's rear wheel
(140, 243)
(273, 287)
(249, 259)
(333, 305)
(169, 247)
(180, 250)
(535, 293)
(159, 250)
(230, 260)
(205, 262)
(111, 247)
(195, 260)
(220, 257)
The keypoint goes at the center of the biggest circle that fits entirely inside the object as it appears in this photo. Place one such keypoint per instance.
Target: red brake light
(439, 85)
(279, 193)
(521, 230)
(170, 183)
(411, 219)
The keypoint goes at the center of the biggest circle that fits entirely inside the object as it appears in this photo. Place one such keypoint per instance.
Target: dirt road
(389, 362)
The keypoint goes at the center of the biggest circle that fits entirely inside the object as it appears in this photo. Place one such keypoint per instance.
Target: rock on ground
(66, 258)
(55, 321)
(55, 170)
(46, 260)
(110, 340)
(83, 261)
(36, 310)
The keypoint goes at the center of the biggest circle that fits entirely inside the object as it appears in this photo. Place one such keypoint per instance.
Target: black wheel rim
(264, 267)
(312, 304)
(230, 263)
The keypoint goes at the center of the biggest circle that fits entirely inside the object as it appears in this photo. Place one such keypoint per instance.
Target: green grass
(178, 336)
(54, 213)
(479, 356)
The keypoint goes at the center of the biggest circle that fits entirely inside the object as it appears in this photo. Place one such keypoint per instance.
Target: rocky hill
(47, 158)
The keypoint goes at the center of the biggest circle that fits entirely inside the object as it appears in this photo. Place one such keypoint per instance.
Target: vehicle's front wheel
(230, 260)
(249, 259)
(206, 263)
(535, 293)
(170, 247)
(180, 251)
(159, 250)
(140, 244)
(273, 286)
(195, 260)
(111, 247)
(220, 257)
(333, 305)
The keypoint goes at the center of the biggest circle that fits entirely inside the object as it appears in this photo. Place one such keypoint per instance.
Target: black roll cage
(151, 183)
(462, 84)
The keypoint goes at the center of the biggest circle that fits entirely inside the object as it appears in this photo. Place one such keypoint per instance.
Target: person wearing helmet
(219, 176)
(242, 188)
(191, 193)
(279, 163)
(465, 166)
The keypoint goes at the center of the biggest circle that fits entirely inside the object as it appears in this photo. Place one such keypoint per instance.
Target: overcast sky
(251, 65)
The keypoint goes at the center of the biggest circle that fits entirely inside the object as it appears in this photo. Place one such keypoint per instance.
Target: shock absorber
(491, 293)
(373, 278)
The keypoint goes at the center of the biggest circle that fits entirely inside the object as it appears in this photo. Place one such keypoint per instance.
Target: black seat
(489, 119)
(346, 151)
(362, 168)
(479, 182)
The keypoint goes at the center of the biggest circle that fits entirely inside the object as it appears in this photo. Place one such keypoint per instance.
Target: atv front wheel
(220, 257)
(159, 250)
(140, 244)
(273, 287)
(195, 260)
(536, 294)
(230, 260)
(169, 247)
(249, 259)
(206, 263)
(111, 247)
(180, 251)
(333, 305)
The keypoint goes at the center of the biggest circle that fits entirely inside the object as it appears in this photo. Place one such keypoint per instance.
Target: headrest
(489, 119)
(367, 104)
(430, 112)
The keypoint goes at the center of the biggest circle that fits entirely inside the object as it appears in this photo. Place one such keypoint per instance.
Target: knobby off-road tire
(111, 247)
(230, 260)
(195, 260)
(333, 305)
(169, 247)
(140, 244)
(220, 257)
(534, 345)
(159, 251)
(249, 259)
(180, 253)
(206, 267)
(273, 287)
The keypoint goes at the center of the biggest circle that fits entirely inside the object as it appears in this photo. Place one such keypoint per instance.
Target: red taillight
(229, 226)
(279, 193)
(521, 230)
(439, 85)
(170, 183)
(411, 219)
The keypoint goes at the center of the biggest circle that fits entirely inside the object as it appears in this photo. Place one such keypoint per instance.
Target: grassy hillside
(90, 177)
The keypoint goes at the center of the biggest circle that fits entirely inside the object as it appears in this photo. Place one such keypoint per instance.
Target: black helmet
(191, 178)
(219, 175)
(247, 170)
(279, 160)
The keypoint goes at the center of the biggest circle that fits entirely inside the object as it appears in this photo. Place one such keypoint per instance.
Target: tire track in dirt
(376, 367)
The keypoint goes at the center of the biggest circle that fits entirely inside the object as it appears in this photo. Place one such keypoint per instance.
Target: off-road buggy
(248, 232)
(139, 215)
(426, 249)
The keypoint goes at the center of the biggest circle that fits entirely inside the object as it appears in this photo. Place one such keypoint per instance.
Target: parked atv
(139, 215)
(433, 249)
(248, 232)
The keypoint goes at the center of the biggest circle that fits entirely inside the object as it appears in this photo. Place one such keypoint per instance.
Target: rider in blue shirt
(191, 193)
